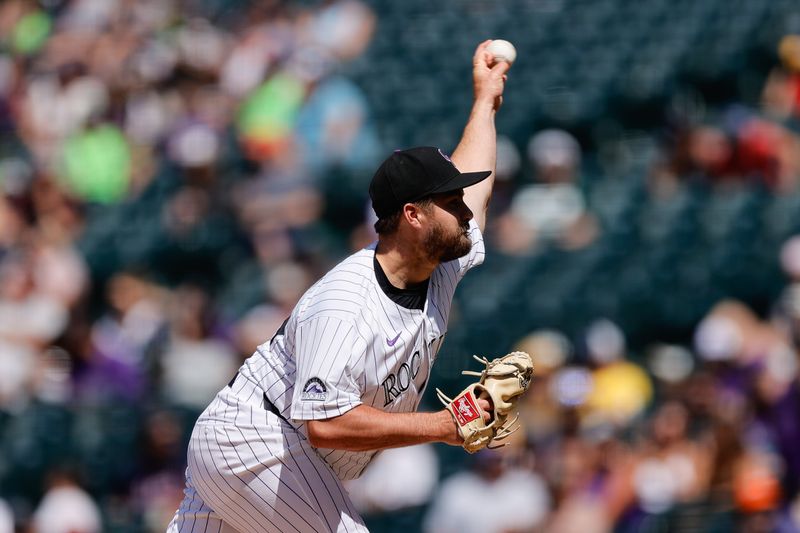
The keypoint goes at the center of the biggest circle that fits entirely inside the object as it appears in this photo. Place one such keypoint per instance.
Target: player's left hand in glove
(501, 383)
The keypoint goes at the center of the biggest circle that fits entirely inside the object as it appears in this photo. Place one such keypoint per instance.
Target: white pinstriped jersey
(347, 343)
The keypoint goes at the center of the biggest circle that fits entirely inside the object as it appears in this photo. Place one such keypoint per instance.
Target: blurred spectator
(97, 376)
(553, 209)
(268, 116)
(30, 319)
(334, 130)
(11, 225)
(98, 164)
(195, 364)
(756, 488)
(671, 365)
(6, 518)
(782, 91)
(66, 508)
(58, 269)
(126, 333)
(513, 499)
(621, 390)
(397, 479)
(671, 468)
(541, 413)
(732, 333)
(158, 487)
(586, 482)
(704, 153)
(342, 27)
(787, 308)
(27, 315)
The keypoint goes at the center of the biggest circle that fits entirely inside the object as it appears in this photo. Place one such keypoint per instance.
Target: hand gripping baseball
(488, 76)
(502, 382)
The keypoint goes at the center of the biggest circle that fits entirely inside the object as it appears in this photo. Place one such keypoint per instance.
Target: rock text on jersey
(396, 384)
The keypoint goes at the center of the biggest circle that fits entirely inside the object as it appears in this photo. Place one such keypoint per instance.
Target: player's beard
(442, 246)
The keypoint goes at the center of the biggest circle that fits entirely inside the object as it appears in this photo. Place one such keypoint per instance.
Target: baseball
(502, 50)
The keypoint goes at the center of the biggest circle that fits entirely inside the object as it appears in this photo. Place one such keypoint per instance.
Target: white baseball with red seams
(502, 50)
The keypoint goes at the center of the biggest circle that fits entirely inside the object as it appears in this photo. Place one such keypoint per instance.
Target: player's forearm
(477, 151)
(366, 428)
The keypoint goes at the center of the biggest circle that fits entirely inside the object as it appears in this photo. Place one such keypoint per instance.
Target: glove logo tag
(464, 409)
(314, 391)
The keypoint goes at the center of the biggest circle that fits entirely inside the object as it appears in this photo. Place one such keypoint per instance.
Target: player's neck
(404, 266)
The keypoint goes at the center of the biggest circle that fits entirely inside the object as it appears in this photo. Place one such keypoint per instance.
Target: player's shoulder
(355, 273)
(345, 291)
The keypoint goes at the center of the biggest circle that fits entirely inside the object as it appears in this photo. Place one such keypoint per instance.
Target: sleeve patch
(314, 391)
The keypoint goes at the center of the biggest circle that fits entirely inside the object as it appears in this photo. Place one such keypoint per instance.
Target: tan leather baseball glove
(502, 382)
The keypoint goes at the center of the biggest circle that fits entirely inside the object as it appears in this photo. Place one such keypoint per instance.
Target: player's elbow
(321, 434)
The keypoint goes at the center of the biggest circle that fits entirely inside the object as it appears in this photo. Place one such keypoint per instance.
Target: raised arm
(477, 149)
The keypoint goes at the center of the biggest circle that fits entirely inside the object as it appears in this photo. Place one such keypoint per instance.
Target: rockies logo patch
(314, 391)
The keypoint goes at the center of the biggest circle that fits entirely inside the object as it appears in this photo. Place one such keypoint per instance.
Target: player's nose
(467, 218)
(466, 213)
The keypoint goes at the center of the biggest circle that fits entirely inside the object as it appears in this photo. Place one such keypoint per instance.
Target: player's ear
(412, 214)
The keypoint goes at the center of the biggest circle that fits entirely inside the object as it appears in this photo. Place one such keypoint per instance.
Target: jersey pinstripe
(347, 343)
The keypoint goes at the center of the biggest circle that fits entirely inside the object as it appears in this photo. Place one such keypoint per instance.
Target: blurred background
(175, 173)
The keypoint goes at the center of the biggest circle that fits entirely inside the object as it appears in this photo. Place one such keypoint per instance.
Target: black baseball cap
(411, 175)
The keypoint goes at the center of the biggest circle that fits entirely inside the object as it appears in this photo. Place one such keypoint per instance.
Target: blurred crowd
(741, 144)
(175, 173)
(164, 169)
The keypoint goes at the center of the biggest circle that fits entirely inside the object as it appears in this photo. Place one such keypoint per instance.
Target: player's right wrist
(447, 430)
(483, 103)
